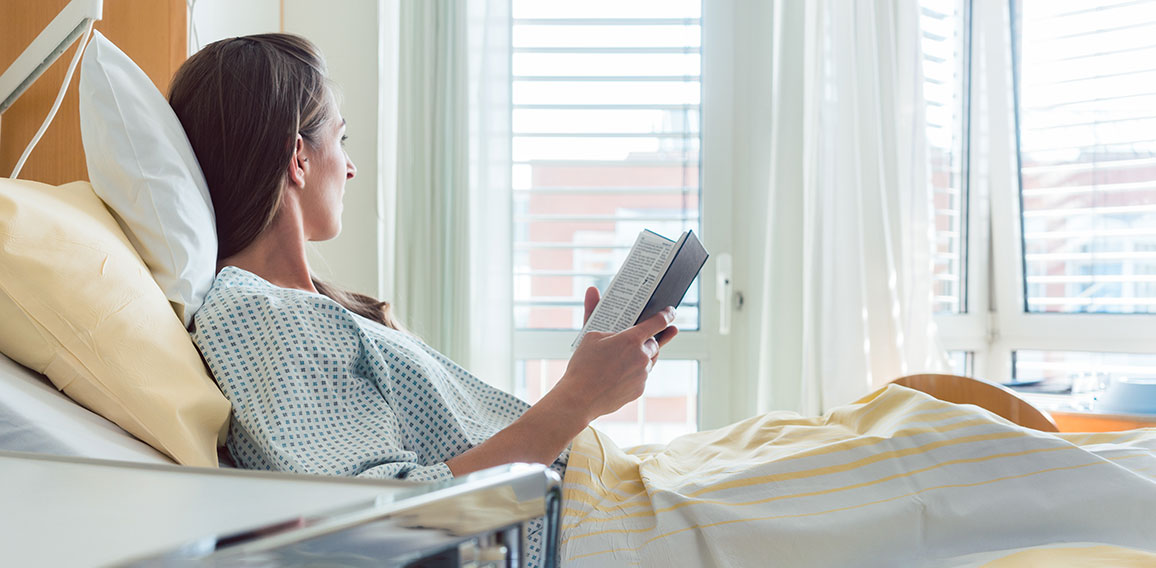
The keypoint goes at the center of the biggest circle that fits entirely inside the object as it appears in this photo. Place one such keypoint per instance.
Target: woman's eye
(344, 137)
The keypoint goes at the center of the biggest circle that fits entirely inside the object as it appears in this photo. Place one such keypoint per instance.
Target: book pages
(632, 287)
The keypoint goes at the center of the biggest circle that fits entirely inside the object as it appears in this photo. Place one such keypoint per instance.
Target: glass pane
(1087, 118)
(597, 64)
(634, 9)
(649, 36)
(606, 92)
(943, 25)
(1092, 379)
(960, 362)
(667, 409)
(606, 143)
(538, 148)
(602, 121)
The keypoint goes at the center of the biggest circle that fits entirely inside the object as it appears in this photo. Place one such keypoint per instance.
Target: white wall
(349, 34)
(219, 19)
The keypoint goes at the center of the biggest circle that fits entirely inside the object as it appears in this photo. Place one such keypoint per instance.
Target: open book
(656, 274)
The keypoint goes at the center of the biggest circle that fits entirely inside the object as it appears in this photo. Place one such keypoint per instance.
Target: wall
(219, 19)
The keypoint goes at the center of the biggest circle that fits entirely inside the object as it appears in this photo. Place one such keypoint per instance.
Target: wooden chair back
(996, 398)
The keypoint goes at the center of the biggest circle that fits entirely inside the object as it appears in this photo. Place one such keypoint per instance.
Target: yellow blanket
(897, 479)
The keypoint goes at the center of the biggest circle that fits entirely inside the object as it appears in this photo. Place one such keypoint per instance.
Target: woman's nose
(350, 169)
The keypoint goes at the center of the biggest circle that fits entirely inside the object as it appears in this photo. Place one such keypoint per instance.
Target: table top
(59, 511)
(76, 512)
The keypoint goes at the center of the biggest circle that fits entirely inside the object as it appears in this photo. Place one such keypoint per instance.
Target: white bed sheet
(35, 417)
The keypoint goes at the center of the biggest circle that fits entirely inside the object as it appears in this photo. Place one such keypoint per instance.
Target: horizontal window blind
(943, 32)
(606, 143)
(1086, 86)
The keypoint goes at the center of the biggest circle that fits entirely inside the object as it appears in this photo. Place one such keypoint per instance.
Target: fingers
(591, 300)
(666, 335)
(650, 348)
(654, 324)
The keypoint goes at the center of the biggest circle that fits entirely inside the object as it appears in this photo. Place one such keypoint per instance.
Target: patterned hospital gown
(318, 389)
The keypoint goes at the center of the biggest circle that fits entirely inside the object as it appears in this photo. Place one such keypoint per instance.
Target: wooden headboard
(151, 32)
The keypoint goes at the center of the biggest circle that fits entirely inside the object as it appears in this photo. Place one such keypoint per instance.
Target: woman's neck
(278, 253)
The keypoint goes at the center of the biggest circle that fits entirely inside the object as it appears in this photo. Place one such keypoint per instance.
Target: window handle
(723, 292)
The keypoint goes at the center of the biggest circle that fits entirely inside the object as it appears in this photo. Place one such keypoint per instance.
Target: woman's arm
(606, 372)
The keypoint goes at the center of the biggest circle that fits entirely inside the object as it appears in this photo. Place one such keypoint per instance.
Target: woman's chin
(326, 235)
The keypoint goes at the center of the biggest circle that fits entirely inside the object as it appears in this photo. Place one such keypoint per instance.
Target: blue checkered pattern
(318, 389)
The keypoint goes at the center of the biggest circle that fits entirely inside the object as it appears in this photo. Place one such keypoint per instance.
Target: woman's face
(327, 168)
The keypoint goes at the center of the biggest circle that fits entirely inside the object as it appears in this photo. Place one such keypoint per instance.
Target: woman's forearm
(538, 436)
(607, 371)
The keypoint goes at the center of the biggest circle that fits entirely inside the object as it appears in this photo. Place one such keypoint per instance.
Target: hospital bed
(76, 490)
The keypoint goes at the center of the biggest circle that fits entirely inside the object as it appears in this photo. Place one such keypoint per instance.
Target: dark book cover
(688, 260)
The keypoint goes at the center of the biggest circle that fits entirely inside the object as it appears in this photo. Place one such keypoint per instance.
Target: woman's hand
(608, 370)
(591, 301)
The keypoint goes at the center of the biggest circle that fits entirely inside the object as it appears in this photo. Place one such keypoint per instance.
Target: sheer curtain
(491, 338)
(451, 275)
(431, 265)
(848, 264)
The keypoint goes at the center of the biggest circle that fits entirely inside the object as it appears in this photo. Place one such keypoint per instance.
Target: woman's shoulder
(238, 293)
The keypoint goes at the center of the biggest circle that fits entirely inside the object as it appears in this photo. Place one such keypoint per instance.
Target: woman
(351, 393)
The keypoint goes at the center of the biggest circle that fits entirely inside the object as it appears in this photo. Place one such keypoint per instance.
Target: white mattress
(35, 417)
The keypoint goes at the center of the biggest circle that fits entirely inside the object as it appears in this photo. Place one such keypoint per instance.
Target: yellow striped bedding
(1067, 555)
(896, 479)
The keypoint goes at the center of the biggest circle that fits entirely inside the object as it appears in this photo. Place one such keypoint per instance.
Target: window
(606, 137)
(945, 73)
(1087, 150)
(1067, 283)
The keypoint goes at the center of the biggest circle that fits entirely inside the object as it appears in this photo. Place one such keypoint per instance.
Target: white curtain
(452, 276)
(491, 263)
(432, 169)
(848, 265)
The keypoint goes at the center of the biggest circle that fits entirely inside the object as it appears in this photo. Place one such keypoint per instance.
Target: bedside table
(1069, 421)
(61, 511)
(1077, 413)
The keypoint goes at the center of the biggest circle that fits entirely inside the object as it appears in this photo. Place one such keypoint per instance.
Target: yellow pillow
(79, 305)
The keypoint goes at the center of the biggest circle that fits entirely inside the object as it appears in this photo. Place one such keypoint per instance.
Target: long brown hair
(242, 102)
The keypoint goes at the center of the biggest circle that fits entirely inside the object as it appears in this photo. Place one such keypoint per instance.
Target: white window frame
(706, 345)
(996, 324)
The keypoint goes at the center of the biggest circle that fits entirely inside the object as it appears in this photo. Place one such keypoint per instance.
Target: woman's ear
(297, 163)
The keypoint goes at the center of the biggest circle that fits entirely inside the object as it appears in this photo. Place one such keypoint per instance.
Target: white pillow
(141, 164)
